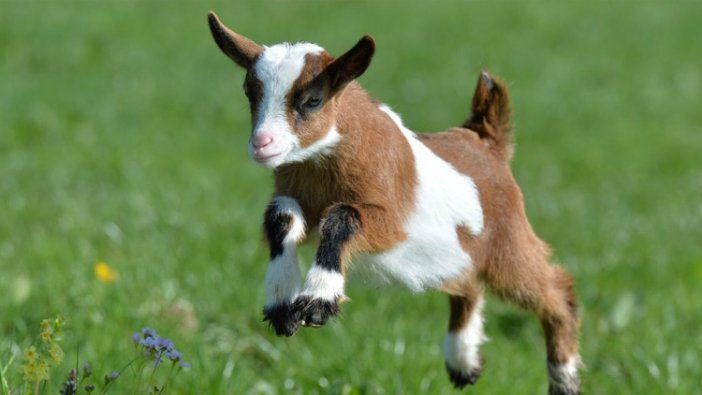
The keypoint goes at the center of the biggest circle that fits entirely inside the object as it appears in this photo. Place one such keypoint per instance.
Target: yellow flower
(35, 371)
(56, 354)
(46, 337)
(45, 326)
(31, 354)
(41, 372)
(105, 273)
(29, 370)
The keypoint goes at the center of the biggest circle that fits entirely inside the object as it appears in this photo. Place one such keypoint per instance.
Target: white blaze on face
(278, 68)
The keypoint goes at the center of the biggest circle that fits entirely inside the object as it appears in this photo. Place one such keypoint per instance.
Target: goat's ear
(351, 65)
(240, 49)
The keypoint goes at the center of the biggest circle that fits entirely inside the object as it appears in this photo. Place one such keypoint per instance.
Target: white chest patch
(445, 200)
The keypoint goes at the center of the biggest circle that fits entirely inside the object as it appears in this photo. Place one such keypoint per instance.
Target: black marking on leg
(339, 226)
(460, 379)
(315, 312)
(277, 226)
(283, 318)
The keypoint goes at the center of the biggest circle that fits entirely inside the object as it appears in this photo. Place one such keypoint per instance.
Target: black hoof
(282, 318)
(461, 379)
(314, 312)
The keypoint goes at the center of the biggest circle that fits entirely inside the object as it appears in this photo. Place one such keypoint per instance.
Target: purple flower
(156, 347)
(112, 377)
(174, 355)
(151, 343)
(148, 332)
(70, 386)
(167, 345)
(87, 371)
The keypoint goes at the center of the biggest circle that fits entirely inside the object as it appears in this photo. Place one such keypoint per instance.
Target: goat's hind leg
(462, 343)
(560, 322)
(547, 290)
(284, 227)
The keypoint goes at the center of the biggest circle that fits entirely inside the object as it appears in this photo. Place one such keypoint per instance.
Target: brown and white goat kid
(437, 210)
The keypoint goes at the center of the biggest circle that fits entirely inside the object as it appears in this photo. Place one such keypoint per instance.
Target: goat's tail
(491, 113)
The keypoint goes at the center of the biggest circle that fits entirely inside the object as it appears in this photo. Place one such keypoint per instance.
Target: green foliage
(123, 140)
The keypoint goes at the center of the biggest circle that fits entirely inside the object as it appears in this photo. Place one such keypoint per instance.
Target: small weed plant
(44, 356)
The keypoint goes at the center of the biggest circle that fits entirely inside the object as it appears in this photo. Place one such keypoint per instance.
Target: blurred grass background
(123, 139)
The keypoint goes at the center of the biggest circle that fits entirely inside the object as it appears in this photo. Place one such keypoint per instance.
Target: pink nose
(261, 140)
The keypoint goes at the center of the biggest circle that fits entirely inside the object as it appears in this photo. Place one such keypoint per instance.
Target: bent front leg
(284, 227)
(346, 229)
(324, 285)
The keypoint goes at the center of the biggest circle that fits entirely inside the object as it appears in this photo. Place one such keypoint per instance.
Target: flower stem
(3, 380)
(153, 371)
(119, 374)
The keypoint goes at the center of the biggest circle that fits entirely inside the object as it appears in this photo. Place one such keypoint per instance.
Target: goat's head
(292, 90)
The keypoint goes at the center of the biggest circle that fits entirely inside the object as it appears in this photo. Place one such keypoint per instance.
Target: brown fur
(240, 49)
(373, 171)
(375, 146)
(312, 78)
(509, 258)
(463, 305)
(491, 114)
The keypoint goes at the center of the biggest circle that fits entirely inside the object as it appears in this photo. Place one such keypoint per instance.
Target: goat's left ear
(242, 50)
(350, 65)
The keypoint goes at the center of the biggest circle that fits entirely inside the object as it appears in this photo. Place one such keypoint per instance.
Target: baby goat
(438, 210)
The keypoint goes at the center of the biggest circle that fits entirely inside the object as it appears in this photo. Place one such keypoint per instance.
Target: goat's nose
(261, 140)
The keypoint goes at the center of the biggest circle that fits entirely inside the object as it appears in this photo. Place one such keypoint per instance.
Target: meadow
(123, 135)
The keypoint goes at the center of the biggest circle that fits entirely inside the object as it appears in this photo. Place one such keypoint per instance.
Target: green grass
(123, 136)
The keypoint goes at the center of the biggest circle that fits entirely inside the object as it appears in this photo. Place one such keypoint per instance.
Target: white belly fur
(445, 199)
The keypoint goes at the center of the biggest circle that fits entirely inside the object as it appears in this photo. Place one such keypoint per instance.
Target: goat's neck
(360, 121)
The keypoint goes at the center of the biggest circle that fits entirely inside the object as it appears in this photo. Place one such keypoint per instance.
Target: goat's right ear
(240, 49)
(352, 64)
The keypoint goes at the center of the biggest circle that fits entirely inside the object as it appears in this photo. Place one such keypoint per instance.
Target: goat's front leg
(346, 229)
(324, 285)
(284, 227)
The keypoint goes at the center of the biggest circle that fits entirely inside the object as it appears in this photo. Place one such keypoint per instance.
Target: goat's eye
(312, 102)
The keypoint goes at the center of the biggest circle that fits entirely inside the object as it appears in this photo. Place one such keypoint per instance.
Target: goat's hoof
(283, 319)
(461, 379)
(314, 312)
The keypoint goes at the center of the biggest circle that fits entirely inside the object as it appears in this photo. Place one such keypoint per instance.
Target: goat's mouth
(269, 159)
